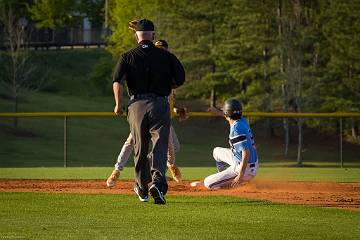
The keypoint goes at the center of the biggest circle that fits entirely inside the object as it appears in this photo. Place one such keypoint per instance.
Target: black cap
(144, 25)
(161, 43)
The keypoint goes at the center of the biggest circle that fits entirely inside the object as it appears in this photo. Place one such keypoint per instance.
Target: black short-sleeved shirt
(148, 69)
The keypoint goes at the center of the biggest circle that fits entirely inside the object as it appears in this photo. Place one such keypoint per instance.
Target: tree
(290, 56)
(123, 11)
(16, 69)
(51, 14)
(54, 14)
(199, 30)
(94, 10)
(253, 25)
(341, 27)
(100, 75)
(296, 43)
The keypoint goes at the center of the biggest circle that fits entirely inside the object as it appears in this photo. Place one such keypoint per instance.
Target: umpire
(150, 73)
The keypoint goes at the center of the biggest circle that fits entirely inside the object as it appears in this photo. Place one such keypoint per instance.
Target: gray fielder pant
(149, 120)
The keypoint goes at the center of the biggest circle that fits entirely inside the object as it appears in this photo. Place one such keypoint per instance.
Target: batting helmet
(232, 109)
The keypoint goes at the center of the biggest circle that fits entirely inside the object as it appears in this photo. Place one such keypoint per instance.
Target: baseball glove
(132, 25)
(182, 113)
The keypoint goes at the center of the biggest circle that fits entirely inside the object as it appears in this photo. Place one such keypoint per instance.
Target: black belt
(250, 165)
(145, 96)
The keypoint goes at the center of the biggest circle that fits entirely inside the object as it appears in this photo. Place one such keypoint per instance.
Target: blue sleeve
(239, 140)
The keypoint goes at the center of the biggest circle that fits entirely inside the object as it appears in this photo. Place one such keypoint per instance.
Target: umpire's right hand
(118, 110)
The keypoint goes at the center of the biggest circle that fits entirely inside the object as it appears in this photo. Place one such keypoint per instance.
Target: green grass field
(116, 216)
(83, 216)
(189, 173)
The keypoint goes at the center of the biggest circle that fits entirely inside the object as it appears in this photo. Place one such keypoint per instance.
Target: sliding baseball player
(239, 163)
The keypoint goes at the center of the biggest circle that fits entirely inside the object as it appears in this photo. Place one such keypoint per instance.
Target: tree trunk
(53, 31)
(16, 104)
(284, 82)
(300, 141)
(354, 130)
(213, 98)
(286, 136)
(213, 67)
(14, 63)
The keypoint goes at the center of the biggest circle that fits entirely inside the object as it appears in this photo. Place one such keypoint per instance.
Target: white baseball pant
(174, 146)
(125, 152)
(226, 176)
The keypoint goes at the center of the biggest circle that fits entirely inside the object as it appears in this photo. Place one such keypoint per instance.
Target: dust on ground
(319, 194)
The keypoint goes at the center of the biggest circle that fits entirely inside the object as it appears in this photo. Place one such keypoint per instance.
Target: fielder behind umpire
(150, 74)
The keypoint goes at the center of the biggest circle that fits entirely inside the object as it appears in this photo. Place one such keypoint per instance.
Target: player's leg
(171, 151)
(223, 157)
(220, 179)
(125, 152)
(122, 159)
(225, 177)
(174, 170)
(175, 139)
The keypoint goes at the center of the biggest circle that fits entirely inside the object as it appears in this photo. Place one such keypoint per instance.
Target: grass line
(189, 173)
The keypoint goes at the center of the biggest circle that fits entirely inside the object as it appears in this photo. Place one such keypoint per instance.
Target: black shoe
(157, 195)
(143, 197)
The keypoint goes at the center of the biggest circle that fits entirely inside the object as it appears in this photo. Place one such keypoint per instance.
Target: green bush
(100, 75)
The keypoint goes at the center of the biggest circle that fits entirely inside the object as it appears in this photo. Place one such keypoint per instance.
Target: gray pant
(128, 147)
(149, 120)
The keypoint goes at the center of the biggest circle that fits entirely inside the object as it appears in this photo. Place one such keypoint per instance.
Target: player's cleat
(196, 184)
(111, 181)
(157, 195)
(143, 197)
(175, 172)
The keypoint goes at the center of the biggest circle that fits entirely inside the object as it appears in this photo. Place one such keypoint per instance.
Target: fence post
(65, 141)
(341, 143)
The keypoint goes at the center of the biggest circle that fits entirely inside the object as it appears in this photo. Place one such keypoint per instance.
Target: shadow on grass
(218, 200)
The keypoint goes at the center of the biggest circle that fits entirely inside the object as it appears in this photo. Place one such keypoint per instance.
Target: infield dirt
(320, 194)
